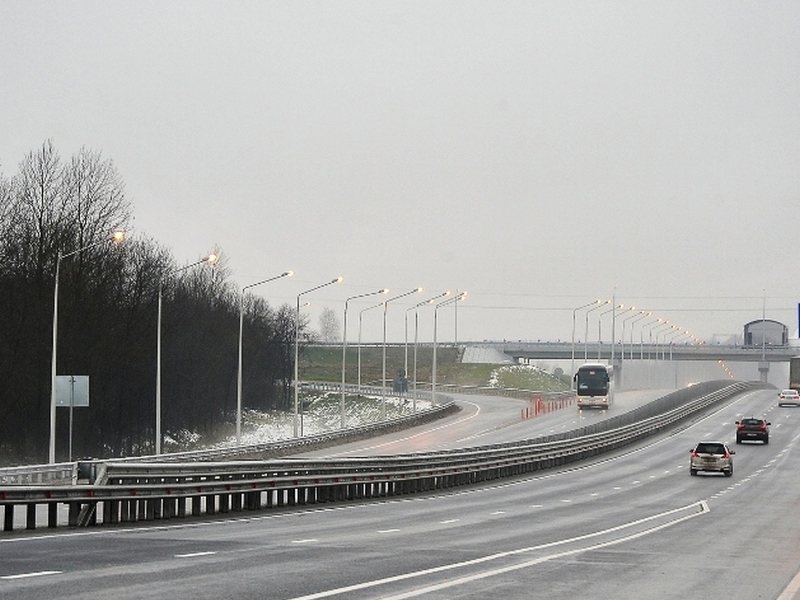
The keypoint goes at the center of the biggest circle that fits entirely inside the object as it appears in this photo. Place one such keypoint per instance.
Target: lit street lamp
(655, 330)
(383, 381)
(415, 308)
(586, 332)
(642, 315)
(574, 312)
(344, 343)
(622, 335)
(460, 296)
(211, 259)
(600, 330)
(297, 346)
(650, 325)
(239, 366)
(360, 322)
(116, 237)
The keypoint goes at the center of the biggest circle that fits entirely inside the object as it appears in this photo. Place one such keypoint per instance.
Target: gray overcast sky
(537, 154)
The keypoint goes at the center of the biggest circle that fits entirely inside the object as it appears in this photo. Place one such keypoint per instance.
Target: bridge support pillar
(763, 371)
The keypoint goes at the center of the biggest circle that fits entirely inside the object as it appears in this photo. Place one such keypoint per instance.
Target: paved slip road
(485, 420)
(631, 525)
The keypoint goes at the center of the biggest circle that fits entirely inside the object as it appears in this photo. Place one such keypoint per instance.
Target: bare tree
(95, 199)
(329, 328)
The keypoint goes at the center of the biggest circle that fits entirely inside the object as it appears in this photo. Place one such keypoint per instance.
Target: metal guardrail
(74, 471)
(145, 491)
(39, 474)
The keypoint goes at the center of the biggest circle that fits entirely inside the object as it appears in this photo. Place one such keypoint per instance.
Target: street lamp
(460, 296)
(297, 345)
(574, 312)
(415, 308)
(239, 367)
(655, 330)
(586, 332)
(642, 315)
(211, 259)
(344, 342)
(116, 237)
(383, 380)
(624, 321)
(600, 329)
(360, 322)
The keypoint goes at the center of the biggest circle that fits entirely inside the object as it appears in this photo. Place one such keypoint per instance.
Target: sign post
(72, 391)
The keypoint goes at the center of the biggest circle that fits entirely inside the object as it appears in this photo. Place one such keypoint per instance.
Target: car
(711, 456)
(752, 429)
(789, 398)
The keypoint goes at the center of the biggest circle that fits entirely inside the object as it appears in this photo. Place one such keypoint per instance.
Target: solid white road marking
(34, 574)
(194, 554)
(702, 505)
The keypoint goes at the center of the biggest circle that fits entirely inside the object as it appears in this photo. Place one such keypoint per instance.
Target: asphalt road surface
(633, 524)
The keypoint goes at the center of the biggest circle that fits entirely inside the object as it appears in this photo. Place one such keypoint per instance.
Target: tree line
(107, 321)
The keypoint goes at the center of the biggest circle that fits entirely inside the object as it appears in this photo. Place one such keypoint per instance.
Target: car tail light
(741, 426)
(763, 426)
(695, 454)
(726, 455)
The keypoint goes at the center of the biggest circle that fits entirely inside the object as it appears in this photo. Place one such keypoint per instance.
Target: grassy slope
(325, 364)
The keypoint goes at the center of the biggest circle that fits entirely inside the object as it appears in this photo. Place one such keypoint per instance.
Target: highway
(631, 525)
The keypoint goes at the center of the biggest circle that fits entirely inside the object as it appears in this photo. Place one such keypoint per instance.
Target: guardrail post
(52, 514)
(211, 504)
(31, 516)
(74, 512)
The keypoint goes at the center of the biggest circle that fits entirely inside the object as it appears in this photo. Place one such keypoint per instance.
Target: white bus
(594, 385)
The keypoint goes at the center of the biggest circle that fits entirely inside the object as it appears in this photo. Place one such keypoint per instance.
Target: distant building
(766, 332)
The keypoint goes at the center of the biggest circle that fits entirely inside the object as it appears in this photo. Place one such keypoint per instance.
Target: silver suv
(711, 456)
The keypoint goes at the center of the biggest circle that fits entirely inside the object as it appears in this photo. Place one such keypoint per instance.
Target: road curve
(633, 524)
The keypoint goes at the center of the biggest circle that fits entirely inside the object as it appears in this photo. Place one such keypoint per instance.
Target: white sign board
(72, 390)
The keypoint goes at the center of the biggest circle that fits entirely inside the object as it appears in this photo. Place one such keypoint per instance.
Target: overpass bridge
(527, 351)
(618, 354)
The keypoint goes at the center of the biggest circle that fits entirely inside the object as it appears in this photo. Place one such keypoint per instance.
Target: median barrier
(133, 491)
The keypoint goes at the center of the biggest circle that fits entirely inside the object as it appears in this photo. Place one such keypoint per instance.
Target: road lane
(584, 531)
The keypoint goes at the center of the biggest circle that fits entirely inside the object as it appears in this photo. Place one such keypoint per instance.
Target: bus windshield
(592, 381)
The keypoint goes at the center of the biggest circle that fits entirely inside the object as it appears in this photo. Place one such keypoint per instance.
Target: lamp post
(624, 321)
(574, 312)
(600, 329)
(344, 344)
(360, 322)
(649, 324)
(586, 332)
(383, 380)
(239, 365)
(460, 296)
(415, 308)
(211, 259)
(116, 237)
(657, 332)
(297, 346)
(671, 336)
(642, 315)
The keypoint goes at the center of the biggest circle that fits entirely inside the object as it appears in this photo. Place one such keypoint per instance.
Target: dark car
(752, 429)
